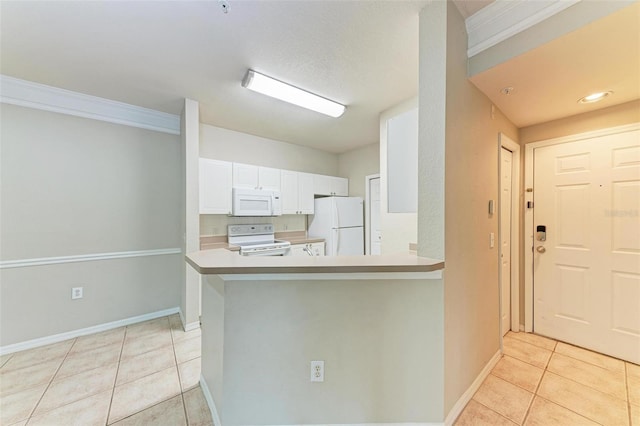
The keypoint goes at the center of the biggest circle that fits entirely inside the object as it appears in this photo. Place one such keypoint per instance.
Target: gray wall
(381, 342)
(356, 165)
(75, 186)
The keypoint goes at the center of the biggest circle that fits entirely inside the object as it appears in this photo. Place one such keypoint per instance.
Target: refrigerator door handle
(336, 242)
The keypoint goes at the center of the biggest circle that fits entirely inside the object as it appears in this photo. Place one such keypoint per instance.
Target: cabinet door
(215, 186)
(322, 185)
(289, 194)
(298, 250)
(305, 193)
(340, 186)
(317, 249)
(269, 179)
(245, 176)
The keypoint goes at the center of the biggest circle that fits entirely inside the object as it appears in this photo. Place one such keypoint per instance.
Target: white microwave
(256, 202)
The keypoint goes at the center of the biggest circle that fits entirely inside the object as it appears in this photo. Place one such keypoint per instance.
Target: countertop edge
(314, 269)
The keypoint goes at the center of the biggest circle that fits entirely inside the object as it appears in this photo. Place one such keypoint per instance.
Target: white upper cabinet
(255, 177)
(269, 179)
(330, 185)
(305, 193)
(297, 192)
(215, 186)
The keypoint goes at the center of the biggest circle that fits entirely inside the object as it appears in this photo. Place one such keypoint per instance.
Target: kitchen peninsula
(375, 321)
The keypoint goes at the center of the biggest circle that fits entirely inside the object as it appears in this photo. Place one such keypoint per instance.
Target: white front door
(587, 262)
(506, 160)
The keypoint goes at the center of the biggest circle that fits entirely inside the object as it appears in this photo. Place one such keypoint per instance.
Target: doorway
(373, 232)
(509, 241)
(584, 226)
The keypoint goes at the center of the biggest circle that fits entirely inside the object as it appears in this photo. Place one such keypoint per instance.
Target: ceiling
(549, 80)
(360, 53)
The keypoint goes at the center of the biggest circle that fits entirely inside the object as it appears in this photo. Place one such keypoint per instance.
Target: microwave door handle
(273, 203)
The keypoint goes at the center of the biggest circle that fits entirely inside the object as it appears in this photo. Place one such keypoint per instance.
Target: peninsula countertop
(222, 261)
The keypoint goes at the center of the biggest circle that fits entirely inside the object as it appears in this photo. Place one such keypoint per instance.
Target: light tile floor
(542, 382)
(147, 374)
(143, 374)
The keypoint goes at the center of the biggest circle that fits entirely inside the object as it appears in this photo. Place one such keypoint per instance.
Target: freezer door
(346, 242)
(349, 212)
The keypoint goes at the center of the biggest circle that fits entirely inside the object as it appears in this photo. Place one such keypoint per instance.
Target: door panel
(587, 272)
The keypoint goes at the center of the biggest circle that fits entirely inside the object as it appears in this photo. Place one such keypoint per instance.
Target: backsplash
(216, 224)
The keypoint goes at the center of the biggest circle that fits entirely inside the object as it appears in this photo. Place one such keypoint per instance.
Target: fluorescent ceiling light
(594, 97)
(276, 89)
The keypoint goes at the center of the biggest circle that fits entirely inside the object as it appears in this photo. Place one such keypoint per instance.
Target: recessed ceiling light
(594, 97)
(277, 89)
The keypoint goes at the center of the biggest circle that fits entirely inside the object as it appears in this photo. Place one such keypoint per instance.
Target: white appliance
(339, 221)
(256, 202)
(257, 240)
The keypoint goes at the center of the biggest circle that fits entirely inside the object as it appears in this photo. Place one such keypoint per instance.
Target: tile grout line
(122, 350)
(115, 379)
(75, 339)
(184, 404)
(535, 392)
(488, 408)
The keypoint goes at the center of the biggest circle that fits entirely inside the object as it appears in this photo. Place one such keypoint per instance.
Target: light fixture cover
(594, 97)
(276, 89)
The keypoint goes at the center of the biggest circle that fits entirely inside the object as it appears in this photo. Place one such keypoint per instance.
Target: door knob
(541, 249)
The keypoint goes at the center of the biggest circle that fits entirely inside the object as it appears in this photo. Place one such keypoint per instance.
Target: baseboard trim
(190, 326)
(466, 397)
(23, 263)
(48, 98)
(43, 341)
(210, 402)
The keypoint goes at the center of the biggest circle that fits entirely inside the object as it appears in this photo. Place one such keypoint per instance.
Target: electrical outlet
(76, 293)
(317, 371)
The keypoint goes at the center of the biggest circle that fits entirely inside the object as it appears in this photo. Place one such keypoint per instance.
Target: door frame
(505, 142)
(528, 212)
(367, 212)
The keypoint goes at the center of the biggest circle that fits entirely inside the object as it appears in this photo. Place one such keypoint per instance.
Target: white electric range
(257, 240)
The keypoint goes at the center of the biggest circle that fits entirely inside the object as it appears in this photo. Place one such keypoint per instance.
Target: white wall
(356, 165)
(229, 145)
(75, 186)
(398, 229)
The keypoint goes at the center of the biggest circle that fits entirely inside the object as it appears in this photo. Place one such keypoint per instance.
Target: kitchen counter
(222, 261)
(355, 313)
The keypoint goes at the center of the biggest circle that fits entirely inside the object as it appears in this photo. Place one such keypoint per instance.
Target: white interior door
(587, 271)
(375, 233)
(506, 160)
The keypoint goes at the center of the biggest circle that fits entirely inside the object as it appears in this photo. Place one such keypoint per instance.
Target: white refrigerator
(339, 220)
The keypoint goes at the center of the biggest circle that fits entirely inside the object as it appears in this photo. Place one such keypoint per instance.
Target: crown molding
(39, 96)
(505, 18)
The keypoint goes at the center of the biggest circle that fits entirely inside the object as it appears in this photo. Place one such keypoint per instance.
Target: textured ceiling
(153, 54)
(360, 53)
